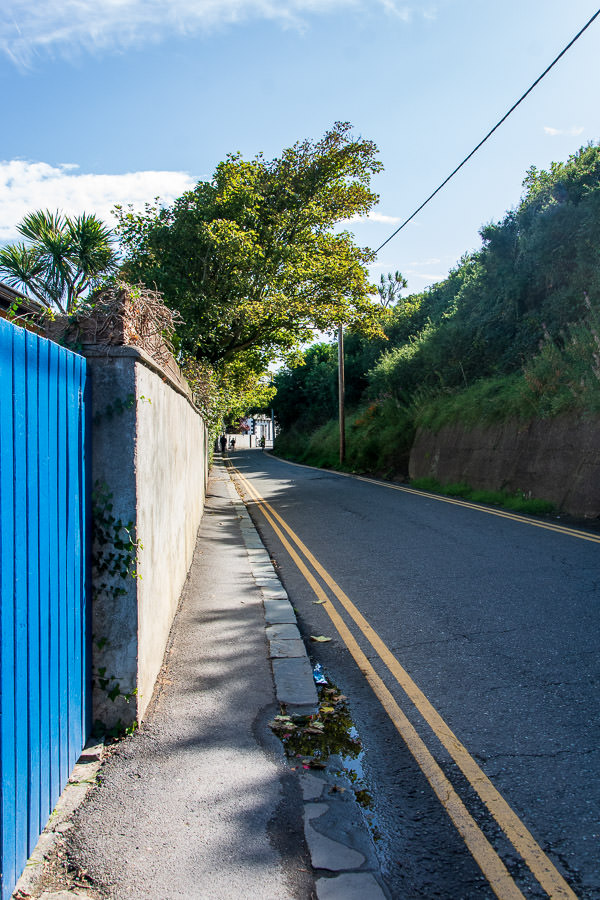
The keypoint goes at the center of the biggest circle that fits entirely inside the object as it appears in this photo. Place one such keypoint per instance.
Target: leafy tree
(228, 394)
(61, 259)
(307, 393)
(251, 259)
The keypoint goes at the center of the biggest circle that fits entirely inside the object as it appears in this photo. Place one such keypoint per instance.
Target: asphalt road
(496, 621)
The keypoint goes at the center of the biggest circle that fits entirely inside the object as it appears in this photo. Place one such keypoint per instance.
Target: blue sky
(107, 101)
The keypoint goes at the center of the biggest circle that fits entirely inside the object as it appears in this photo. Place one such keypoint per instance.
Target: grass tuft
(516, 502)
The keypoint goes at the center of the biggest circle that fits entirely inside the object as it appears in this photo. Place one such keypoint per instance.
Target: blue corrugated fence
(44, 658)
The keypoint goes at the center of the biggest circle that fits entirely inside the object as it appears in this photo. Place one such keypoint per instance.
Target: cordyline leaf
(319, 601)
(62, 257)
(320, 639)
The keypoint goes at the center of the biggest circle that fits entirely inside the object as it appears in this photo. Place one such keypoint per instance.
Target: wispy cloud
(371, 217)
(432, 261)
(48, 27)
(402, 11)
(427, 277)
(27, 186)
(574, 131)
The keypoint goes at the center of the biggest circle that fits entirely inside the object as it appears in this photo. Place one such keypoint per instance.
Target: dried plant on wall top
(117, 316)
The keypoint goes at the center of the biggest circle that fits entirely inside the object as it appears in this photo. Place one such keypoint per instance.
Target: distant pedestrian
(262, 442)
(232, 444)
(223, 443)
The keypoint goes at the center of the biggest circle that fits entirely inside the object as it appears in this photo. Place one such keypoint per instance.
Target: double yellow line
(482, 851)
(489, 510)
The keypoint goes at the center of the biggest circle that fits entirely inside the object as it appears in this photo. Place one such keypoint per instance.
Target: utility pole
(341, 391)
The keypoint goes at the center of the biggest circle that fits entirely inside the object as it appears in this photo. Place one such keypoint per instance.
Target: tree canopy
(61, 259)
(527, 283)
(252, 259)
(523, 309)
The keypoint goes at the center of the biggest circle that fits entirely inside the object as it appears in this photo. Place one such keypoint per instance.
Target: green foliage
(251, 260)
(114, 561)
(516, 502)
(115, 547)
(528, 281)
(307, 391)
(565, 374)
(226, 394)
(62, 259)
(485, 402)
(307, 394)
(378, 441)
(116, 733)
(381, 436)
(390, 288)
(116, 408)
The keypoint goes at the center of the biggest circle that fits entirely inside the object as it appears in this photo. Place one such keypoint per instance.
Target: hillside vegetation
(512, 332)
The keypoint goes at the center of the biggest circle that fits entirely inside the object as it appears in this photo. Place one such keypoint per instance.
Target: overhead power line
(490, 133)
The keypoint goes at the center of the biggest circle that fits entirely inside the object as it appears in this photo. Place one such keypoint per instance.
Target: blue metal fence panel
(8, 810)
(33, 588)
(44, 558)
(44, 640)
(21, 736)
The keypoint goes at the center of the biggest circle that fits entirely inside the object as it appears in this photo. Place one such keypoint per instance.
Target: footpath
(201, 801)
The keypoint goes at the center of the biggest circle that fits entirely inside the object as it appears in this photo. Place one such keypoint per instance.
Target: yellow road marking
(482, 851)
(539, 864)
(503, 514)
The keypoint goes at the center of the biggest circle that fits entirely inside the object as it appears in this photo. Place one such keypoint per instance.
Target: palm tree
(62, 258)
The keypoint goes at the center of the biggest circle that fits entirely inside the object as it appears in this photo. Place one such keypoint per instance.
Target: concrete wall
(114, 605)
(550, 459)
(150, 449)
(170, 466)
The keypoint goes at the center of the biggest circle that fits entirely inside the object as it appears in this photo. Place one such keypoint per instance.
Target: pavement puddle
(328, 739)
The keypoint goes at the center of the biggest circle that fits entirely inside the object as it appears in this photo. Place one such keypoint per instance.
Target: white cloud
(574, 131)
(402, 12)
(379, 217)
(30, 29)
(27, 186)
(370, 217)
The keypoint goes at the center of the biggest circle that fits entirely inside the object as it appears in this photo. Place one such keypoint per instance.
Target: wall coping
(179, 385)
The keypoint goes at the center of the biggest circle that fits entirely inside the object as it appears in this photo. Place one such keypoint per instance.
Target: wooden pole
(341, 391)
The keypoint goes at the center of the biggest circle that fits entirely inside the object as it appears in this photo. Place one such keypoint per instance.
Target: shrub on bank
(378, 441)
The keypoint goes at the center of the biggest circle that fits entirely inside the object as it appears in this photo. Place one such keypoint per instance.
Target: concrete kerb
(292, 672)
(340, 846)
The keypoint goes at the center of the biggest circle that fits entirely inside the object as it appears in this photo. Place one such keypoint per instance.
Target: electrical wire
(490, 133)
